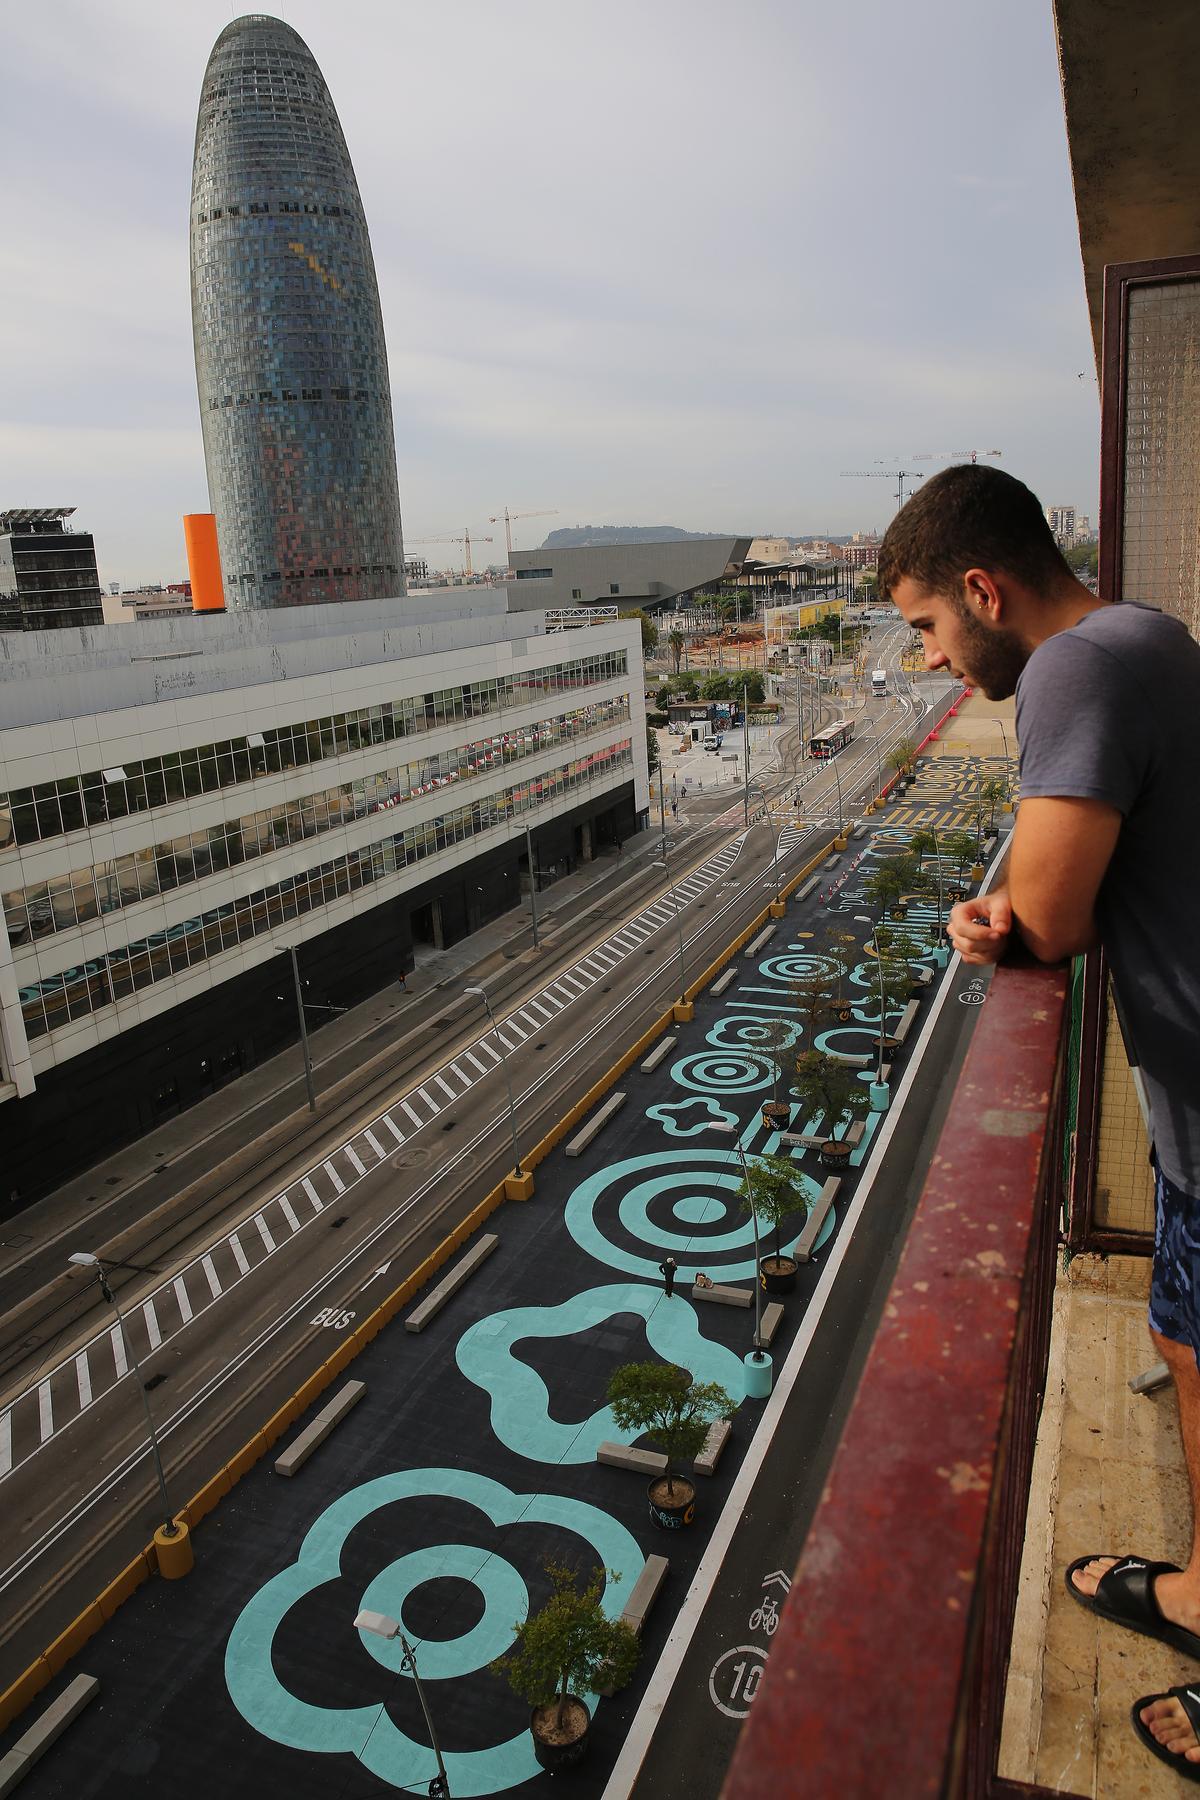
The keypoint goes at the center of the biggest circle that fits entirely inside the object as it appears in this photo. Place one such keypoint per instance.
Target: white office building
(181, 802)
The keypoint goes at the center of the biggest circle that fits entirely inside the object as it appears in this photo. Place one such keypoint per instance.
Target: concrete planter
(672, 1513)
(552, 1750)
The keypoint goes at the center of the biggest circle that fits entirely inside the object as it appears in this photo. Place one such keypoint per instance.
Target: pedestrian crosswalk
(58, 1398)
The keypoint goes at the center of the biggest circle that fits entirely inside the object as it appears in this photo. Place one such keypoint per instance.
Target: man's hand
(979, 929)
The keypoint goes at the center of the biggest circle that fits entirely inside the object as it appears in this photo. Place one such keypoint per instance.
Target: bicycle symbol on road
(974, 994)
(765, 1617)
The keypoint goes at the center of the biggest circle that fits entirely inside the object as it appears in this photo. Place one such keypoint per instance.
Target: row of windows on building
(53, 808)
(42, 908)
(251, 580)
(255, 208)
(269, 397)
(51, 1003)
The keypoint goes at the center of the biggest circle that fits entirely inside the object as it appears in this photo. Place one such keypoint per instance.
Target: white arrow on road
(382, 1270)
(777, 1578)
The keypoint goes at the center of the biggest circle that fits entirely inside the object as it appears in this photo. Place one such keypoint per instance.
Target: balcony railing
(887, 1672)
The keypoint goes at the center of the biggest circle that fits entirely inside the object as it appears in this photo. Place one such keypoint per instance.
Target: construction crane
(464, 540)
(549, 513)
(899, 476)
(952, 455)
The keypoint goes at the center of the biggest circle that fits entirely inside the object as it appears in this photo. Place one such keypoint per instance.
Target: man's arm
(1060, 851)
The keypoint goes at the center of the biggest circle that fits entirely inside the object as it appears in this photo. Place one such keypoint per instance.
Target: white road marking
(572, 980)
(375, 1144)
(461, 1073)
(352, 1157)
(152, 1327)
(431, 1103)
(318, 1205)
(264, 1232)
(443, 1083)
(181, 1294)
(394, 1129)
(415, 1116)
(45, 1410)
(511, 1025)
(239, 1255)
(471, 1057)
(285, 1207)
(5, 1442)
(83, 1376)
(536, 1006)
(339, 1186)
(210, 1269)
(120, 1359)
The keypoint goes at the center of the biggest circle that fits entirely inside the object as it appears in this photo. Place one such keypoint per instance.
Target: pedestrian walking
(1105, 849)
(667, 1271)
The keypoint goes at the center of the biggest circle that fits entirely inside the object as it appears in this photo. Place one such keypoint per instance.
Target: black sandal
(1125, 1596)
(1189, 1699)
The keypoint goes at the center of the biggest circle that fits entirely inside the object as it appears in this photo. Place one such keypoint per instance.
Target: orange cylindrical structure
(204, 562)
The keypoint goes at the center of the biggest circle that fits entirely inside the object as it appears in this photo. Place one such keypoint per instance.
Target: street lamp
(660, 863)
(380, 1625)
(480, 994)
(872, 737)
(532, 887)
(83, 1259)
(774, 840)
(995, 720)
(303, 1007)
(758, 1353)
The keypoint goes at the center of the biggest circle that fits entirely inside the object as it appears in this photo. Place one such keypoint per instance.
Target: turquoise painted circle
(694, 1209)
(505, 1598)
(723, 1072)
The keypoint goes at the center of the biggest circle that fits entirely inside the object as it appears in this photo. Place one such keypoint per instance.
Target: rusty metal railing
(888, 1669)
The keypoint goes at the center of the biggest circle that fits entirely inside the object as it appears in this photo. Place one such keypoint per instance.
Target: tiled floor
(1110, 1477)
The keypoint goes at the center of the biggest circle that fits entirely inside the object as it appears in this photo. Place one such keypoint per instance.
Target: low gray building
(623, 575)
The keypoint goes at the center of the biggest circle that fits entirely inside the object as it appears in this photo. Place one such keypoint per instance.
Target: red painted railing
(887, 1672)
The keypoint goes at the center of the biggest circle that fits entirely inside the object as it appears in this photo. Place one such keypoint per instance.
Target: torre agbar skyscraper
(291, 363)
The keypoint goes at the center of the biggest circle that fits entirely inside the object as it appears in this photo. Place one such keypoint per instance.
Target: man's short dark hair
(965, 517)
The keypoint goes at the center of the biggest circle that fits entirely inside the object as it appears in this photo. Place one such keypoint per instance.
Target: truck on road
(879, 681)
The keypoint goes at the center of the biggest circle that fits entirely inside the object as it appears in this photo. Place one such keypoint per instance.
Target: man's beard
(991, 660)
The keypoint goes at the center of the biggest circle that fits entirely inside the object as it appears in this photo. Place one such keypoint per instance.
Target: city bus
(833, 739)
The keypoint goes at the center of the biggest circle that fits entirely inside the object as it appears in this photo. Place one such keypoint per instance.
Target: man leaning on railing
(1105, 850)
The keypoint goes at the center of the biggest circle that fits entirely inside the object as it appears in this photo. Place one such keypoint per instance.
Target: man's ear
(983, 595)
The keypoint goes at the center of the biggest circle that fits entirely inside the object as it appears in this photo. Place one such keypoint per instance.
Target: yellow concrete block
(683, 1012)
(777, 909)
(519, 1187)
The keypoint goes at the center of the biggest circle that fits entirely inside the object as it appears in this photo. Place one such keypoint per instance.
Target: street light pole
(758, 1349)
(746, 752)
(308, 1074)
(481, 994)
(657, 864)
(85, 1260)
(381, 1626)
(532, 886)
(662, 810)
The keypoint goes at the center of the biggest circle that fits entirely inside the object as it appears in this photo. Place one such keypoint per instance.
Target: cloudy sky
(665, 262)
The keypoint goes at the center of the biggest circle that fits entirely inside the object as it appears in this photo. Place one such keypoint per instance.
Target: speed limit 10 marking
(734, 1678)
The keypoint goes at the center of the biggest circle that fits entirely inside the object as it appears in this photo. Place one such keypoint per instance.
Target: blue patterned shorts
(1175, 1280)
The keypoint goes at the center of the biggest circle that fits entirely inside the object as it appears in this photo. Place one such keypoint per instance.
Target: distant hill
(575, 537)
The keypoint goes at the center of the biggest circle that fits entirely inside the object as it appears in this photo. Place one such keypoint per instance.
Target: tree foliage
(569, 1645)
(675, 641)
(774, 1191)
(829, 1086)
(662, 1401)
(649, 628)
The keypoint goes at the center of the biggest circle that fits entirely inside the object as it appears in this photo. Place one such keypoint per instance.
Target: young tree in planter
(901, 756)
(662, 1400)
(961, 846)
(774, 1193)
(994, 793)
(568, 1647)
(828, 1086)
(896, 876)
(780, 1035)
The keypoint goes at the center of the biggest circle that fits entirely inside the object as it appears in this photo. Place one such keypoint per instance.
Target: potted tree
(831, 1087)
(900, 758)
(778, 1041)
(769, 1189)
(567, 1648)
(675, 1412)
(960, 846)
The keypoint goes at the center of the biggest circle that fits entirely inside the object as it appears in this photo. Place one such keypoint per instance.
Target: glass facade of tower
(291, 364)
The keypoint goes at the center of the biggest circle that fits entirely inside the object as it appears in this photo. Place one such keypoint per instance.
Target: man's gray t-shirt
(1110, 710)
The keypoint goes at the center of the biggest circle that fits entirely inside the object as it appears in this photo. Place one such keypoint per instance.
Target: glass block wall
(1161, 534)
(291, 364)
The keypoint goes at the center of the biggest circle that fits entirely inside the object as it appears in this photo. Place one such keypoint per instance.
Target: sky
(652, 262)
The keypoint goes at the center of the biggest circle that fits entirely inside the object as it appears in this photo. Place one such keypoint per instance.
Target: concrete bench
(644, 1592)
(595, 1125)
(812, 1225)
(831, 862)
(805, 1140)
(710, 1454)
(625, 1456)
(859, 831)
(924, 978)
(764, 937)
(854, 1136)
(768, 1325)
(724, 1296)
(34, 1743)
(803, 892)
(449, 1285)
(852, 1062)
(907, 1020)
(314, 1434)
(659, 1054)
(725, 980)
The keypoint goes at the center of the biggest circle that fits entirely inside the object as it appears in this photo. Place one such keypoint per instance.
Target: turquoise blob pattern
(366, 1732)
(520, 1403)
(717, 1174)
(701, 1110)
(505, 1598)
